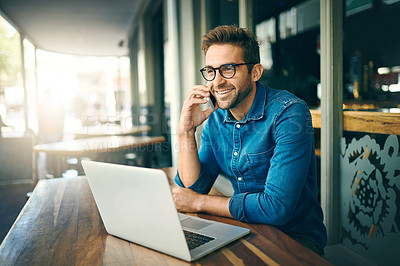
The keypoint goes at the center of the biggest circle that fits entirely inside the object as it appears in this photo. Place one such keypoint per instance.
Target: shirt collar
(256, 111)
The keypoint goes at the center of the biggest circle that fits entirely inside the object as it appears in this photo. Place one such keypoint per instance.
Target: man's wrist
(200, 203)
(185, 134)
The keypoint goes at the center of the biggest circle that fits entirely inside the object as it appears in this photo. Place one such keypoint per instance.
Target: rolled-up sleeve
(203, 183)
(287, 173)
(236, 207)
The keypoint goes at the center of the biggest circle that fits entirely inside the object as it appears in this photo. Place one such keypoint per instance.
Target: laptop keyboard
(195, 240)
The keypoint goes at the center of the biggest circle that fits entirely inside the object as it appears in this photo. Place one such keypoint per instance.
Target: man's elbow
(277, 213)
(281, 219)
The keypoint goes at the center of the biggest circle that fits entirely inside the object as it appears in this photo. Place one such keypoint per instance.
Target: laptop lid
(136, 204)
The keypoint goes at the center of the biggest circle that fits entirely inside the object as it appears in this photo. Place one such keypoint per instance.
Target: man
(260, 138)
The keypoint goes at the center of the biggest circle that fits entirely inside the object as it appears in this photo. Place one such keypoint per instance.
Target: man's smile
(222, 92)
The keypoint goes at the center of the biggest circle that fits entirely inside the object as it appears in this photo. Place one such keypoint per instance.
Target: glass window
(289, 50)
(90, 91)
(371, 55)
(369, 192)
(11, 83)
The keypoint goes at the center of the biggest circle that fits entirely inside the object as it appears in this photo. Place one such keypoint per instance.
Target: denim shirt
(269, 157)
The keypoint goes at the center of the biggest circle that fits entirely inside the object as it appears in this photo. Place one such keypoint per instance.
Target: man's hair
(234, 35)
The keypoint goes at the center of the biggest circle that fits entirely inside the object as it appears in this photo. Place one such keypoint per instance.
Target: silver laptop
(136, 204)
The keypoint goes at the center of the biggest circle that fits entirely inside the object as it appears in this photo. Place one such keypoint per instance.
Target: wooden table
(96, 147)
(60, 225)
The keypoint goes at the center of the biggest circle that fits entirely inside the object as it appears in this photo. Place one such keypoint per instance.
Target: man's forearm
(216, 205)
(187, 200)
(188, 161)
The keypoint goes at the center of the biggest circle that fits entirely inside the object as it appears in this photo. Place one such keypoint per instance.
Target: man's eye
(229, 68)
(209, 71)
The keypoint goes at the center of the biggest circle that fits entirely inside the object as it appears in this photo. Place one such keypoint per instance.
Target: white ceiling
(81, 27)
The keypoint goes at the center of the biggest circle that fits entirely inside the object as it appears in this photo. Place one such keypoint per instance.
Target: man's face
(229, 93)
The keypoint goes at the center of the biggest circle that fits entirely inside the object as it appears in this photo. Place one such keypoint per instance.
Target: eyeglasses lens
(209, 73)
(227, 71)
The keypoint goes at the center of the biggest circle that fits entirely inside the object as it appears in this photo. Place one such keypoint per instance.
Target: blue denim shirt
(269, 157)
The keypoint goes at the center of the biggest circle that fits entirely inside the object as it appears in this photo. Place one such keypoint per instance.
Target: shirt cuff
(177, 180)
(236, 207)
(202, 185)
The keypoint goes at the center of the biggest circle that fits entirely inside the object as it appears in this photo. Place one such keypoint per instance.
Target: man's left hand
(187, 200)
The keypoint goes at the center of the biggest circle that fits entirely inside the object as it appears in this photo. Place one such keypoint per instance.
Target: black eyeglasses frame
(219, 70)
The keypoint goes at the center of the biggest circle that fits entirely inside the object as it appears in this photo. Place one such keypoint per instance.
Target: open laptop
(136, 204)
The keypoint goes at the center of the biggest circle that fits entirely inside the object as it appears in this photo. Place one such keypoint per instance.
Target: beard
(241, 91)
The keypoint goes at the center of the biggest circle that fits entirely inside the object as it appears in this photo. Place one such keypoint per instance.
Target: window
(11, 81)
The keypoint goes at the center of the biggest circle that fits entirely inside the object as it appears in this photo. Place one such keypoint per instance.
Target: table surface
(109, 130)
(60, 225)
(97, 144)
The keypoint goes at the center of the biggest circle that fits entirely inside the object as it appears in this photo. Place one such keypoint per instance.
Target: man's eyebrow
(229, 63)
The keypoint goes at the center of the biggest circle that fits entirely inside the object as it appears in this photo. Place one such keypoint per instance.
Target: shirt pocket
(258, 164)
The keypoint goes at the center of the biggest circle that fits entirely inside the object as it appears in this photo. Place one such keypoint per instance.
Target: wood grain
(369, 122)
(372, 122)
(60, 225)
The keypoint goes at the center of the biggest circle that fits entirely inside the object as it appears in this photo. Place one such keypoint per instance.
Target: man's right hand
(192, 115)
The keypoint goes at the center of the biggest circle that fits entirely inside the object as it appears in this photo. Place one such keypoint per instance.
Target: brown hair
(234, 35)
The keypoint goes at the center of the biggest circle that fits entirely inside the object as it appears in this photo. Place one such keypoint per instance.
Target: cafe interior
(106, 80)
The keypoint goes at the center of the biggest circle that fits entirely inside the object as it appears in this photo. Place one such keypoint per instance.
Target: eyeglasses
(227, 71)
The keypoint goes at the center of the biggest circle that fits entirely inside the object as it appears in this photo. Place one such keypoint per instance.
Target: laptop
(136, 204)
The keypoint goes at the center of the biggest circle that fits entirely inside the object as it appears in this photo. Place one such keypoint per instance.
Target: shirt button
(235, 153)
(240, 178)
(238, 126)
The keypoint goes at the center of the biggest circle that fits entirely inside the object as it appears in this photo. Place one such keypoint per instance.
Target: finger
(200, 90)
(201, 87)
(199, 95)
(195, 101)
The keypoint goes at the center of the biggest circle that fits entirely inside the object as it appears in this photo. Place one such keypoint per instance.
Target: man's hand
(192, 115)
(186, 200)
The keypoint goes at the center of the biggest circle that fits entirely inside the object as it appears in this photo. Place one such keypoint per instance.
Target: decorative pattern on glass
(370, 195)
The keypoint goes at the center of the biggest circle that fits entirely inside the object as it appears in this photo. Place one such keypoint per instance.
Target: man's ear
(256, 72)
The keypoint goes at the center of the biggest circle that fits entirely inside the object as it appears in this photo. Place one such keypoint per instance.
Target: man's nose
(219, 79)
